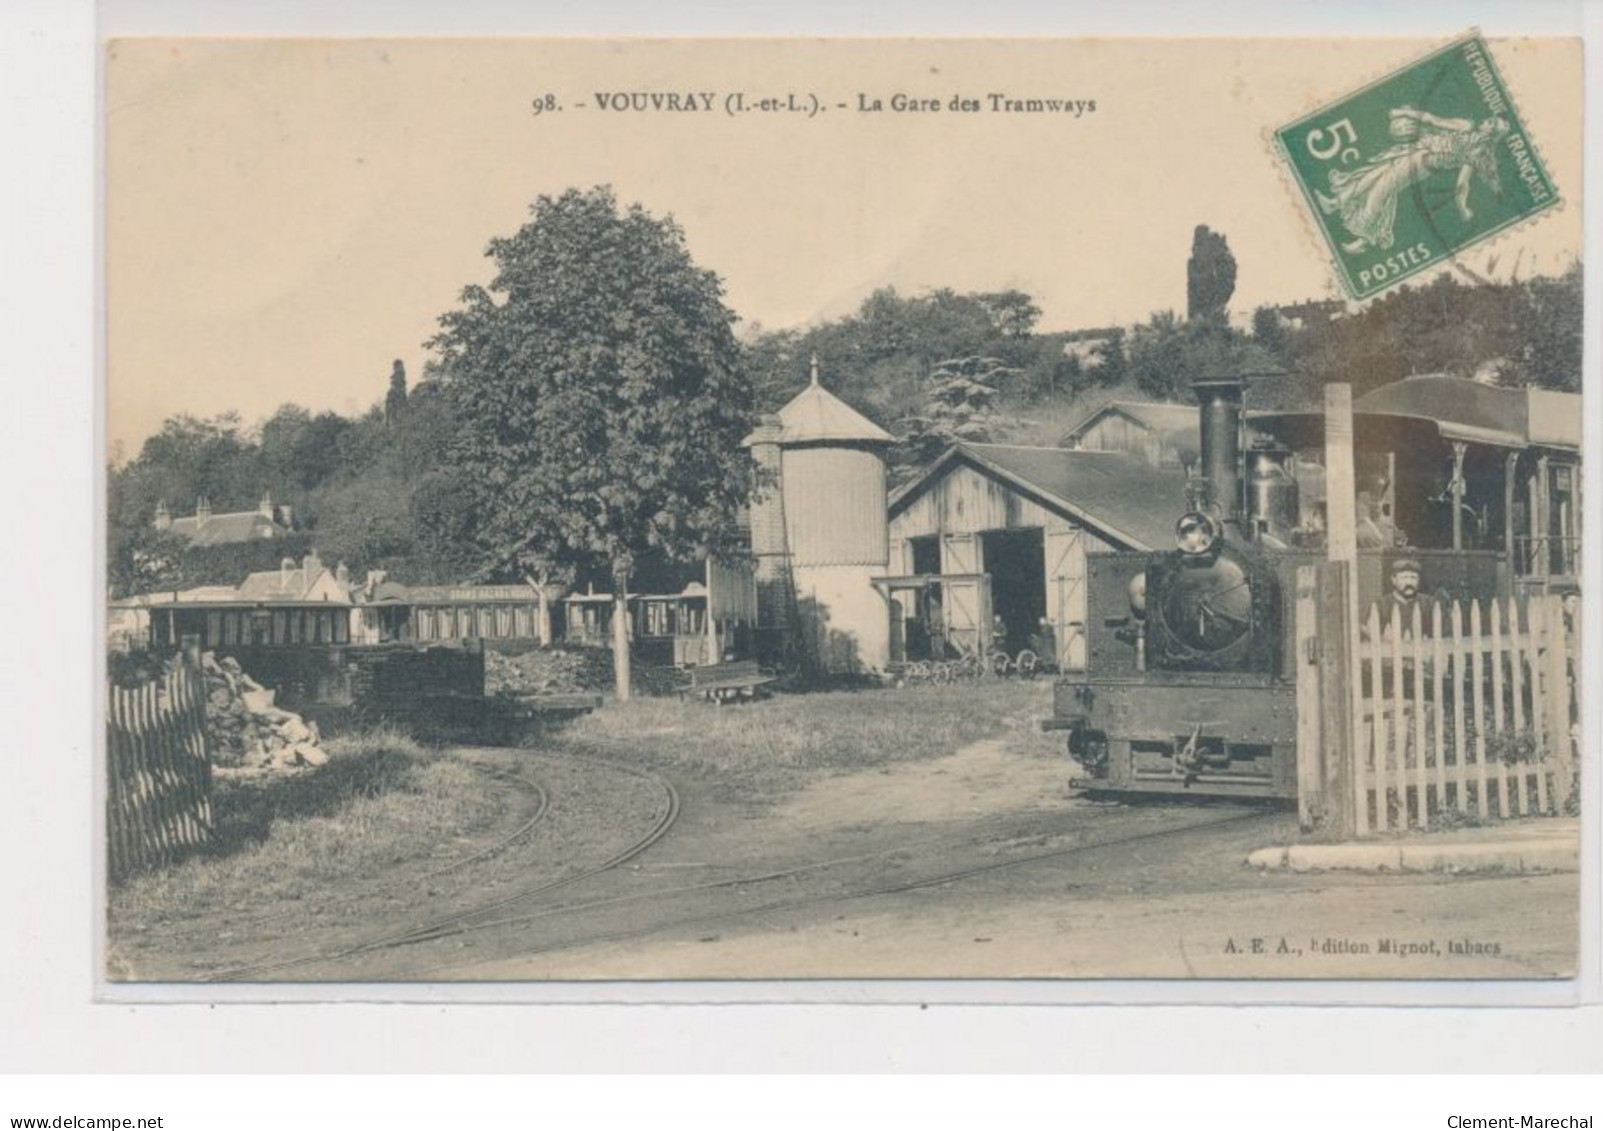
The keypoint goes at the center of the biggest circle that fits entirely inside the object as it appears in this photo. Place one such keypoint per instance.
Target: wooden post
(1337, 742)
(713, 646)
(1456, 486)
(620, 634)
(1510, 467)
(1478, 700)
(1495, 630)
(1342, 691)
(1311, 801)
(1557, 690)
(1541, 521)
(1421, 773)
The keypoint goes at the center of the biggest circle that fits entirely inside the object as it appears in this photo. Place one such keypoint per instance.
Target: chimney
(285, 568)
(203, 512)
(1219, 418)
(342, 576)
(313, 565)
(164, 517)
(265, 507)
(286, 516)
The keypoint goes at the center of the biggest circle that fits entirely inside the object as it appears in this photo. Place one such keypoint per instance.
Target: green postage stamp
(1416, 166)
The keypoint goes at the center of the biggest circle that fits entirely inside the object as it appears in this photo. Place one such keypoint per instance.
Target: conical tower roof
(815, 415)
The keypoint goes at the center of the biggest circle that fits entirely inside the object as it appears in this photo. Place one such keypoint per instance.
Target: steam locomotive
(1190, 686)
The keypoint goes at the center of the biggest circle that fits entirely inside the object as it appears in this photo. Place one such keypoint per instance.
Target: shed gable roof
(1159, 417)
(1122, 498)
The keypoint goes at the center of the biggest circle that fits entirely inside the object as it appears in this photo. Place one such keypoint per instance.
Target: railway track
(499, 845)
(871, 891)
(667, 812)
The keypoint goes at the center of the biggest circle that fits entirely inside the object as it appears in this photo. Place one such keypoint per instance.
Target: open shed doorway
(1016, 563)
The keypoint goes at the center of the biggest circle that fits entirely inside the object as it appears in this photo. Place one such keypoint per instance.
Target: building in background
(266, 523)
(299, 603)
(1163, 435)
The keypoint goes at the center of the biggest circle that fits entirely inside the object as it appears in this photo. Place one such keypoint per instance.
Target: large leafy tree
(600, 396)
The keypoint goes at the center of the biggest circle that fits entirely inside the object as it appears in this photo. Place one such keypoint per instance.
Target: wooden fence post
(1342, 746)
(1312, 802)
(1336, 739)
(1558, 701)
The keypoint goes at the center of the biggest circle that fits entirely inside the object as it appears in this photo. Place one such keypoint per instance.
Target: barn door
(1065, 594)
(967, 602)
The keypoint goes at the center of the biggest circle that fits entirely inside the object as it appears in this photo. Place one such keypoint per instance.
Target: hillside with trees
(436, 481)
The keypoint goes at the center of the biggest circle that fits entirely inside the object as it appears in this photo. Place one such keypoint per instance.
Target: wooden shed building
(995, 536)
(1164, 435)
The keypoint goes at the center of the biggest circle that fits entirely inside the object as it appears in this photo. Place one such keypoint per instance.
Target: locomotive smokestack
(1219, 403)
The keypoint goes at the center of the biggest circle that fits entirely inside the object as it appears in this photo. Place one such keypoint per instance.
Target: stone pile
(246, 729)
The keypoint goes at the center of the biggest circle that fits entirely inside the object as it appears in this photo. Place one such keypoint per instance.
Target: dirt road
(845, 879)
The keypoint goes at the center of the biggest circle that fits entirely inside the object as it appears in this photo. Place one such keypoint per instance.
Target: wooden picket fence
(158, 797)
(1465, 711)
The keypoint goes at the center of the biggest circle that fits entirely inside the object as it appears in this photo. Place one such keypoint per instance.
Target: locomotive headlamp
(1196, 533)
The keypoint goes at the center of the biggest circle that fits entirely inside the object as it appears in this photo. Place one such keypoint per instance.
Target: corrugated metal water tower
(819, 534)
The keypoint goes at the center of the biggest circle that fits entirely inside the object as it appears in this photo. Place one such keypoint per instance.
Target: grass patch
(774, 742)
(381, 799)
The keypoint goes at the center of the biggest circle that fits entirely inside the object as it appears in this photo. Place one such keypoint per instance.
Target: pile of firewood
(246, 729)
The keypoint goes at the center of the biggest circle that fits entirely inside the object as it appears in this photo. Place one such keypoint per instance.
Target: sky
(286, 217)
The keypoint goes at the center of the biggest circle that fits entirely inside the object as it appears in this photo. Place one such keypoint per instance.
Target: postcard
(646, 510)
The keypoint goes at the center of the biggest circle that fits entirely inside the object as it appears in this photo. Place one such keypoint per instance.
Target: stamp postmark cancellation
(1417, 166)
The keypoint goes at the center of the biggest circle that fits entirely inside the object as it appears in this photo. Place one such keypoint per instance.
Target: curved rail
(541, 805)
(813, 900)
(463, 921)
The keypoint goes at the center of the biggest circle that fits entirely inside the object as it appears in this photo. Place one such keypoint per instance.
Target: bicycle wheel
(1000, 663)
(1028, 664)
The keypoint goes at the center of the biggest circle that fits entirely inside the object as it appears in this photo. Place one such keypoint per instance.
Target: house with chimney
(268, 522)
(302, 602)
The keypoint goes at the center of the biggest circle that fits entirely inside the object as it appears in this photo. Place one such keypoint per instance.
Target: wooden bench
(725, 683)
